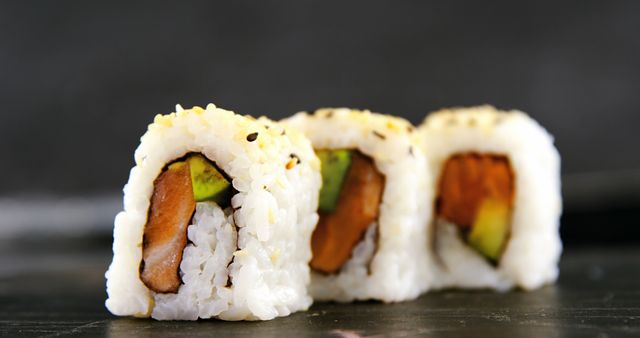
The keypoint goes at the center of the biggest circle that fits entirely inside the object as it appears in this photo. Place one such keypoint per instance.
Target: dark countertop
(54, 288)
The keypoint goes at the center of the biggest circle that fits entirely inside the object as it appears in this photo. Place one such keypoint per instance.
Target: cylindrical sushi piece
(497, 203)
(218, 215)
(370, 241)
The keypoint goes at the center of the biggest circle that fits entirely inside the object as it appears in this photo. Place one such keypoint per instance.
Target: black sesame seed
(252, 137)
(411, 150)
(380, 135)
(296, 157)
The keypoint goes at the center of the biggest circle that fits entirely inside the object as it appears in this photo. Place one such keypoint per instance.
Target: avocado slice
(209, 184)
(334, 167)
(490, 228)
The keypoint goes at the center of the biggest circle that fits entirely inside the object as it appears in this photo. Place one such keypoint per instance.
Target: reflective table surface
(52, 288)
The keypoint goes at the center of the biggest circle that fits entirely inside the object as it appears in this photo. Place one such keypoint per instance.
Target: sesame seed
(380, 135)
(290, 164)
(294, 156)
(252, 137)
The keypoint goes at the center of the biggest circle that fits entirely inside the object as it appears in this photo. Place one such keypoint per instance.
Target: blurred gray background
(81, 81)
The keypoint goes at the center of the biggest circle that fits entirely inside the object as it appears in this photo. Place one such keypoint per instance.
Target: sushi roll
(370, 241)
(218, 215)
(497, 202)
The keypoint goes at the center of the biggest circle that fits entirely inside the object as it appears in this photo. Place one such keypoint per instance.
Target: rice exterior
(531, 255)
(272, 217)
(391, 262)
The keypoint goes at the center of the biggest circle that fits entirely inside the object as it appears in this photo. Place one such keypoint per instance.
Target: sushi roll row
(230, 217)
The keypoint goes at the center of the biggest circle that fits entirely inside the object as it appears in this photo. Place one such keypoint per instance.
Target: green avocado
(490, 229)
(334, 167)
(208, 183)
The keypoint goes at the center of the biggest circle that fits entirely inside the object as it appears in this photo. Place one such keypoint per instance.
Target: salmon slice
(337, 233)
(165, 234)
(468, 180)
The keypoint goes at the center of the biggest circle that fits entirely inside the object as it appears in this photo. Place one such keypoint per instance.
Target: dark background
(81, 80)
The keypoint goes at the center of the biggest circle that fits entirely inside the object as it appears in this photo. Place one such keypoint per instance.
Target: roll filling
(476, 193)
(349, 203)
(176, 191)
